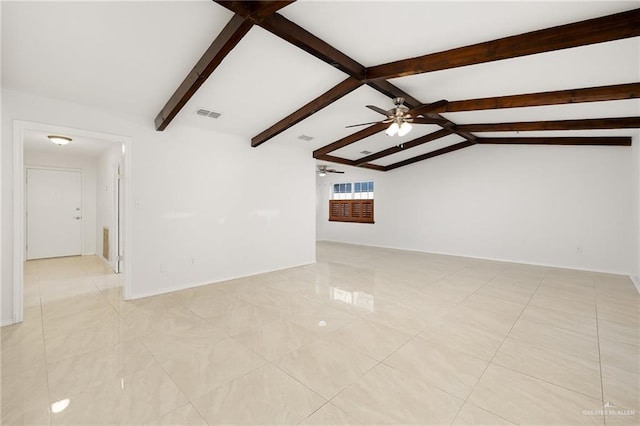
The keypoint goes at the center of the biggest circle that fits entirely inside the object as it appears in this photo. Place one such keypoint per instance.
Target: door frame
(19, 223)
(83, 249)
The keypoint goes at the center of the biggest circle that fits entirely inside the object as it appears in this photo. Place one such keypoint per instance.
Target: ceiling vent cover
(206, 113)
(365, 152)
(305, 138)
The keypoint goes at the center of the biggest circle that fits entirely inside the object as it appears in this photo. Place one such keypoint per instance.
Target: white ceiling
(129, 57)
(79, 146)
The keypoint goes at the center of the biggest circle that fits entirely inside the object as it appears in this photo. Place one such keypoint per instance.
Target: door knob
(78, 217)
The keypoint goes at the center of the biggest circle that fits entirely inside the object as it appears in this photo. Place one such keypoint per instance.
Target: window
(361, 191)
(352, 202)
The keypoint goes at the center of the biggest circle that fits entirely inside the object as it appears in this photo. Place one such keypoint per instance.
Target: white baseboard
(492, 259)
(6, 322)
(186, 286)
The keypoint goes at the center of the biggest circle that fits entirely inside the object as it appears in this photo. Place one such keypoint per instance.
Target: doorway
(118, 144)
(53, 213)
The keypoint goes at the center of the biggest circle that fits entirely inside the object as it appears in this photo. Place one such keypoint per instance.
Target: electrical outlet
(192, 260)
(579, 249)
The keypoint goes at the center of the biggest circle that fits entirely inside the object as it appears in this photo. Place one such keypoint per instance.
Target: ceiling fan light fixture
(393, 129)
(322, 173)
(404, 129)
(59, 140)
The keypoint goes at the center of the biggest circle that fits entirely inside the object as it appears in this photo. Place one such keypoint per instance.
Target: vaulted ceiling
(563, 73)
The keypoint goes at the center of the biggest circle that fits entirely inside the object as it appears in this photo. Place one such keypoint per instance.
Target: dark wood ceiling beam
(298, 36)
(431, 154)
(528, 126)
(392, 91)
(584, 141)
(230, 36)
(407, 145)
(598, 30)
(254, 10)
(592, 94)
(348, 140)
(348, 162)
(327, 98)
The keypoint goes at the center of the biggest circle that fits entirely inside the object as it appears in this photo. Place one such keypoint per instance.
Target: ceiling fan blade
(378, 110)
(363, 124)
(334, 171)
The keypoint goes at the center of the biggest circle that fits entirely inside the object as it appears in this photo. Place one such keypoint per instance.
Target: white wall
(560, 206)
(106, 202)
(88, 165)
(207, 206)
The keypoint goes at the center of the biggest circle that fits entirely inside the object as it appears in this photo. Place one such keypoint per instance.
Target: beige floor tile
(571, 306)
(496, 322)
(556, 339)
(475, 341)
(104, 316)
(322, 318)
(585, 295)
(265, 396)
(25, 333)
(438, 365)
(135, 399)
(525, 400)
(54, 290)
(201, 371)
(276, 338)
(471, 415)
(173, 344)
(483, 303)
(388, 396)
(94, 302)
(549, 317)
(171, 320)
(241, 316)
(403, 317)
(564, 370)
(86, 340)
(622, 417)
(329, 414)
(206, 304)
(620, 355)
(183, 416)
(621, 388)
(508, 292)
(22, 356)
(370, 338)
(24, 391)
(327, 368)
(36, 417)
(628, 334)
(76, 374)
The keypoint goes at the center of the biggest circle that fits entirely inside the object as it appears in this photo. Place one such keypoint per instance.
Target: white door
(54, 216)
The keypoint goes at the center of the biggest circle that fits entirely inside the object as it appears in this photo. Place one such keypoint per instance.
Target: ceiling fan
(399, 117)
(324, 169)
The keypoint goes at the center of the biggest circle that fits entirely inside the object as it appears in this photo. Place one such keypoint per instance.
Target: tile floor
(365, 336)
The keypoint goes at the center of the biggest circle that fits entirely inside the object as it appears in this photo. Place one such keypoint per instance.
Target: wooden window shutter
(360, 211)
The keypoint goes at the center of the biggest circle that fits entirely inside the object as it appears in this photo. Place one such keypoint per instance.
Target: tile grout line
(604, 417)
(494, 355)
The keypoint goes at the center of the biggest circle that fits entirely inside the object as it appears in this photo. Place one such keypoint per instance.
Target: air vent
(206, 113)
(305, 137)
(365, 152)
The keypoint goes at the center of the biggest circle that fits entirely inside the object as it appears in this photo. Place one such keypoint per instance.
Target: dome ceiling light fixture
(59, 140)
